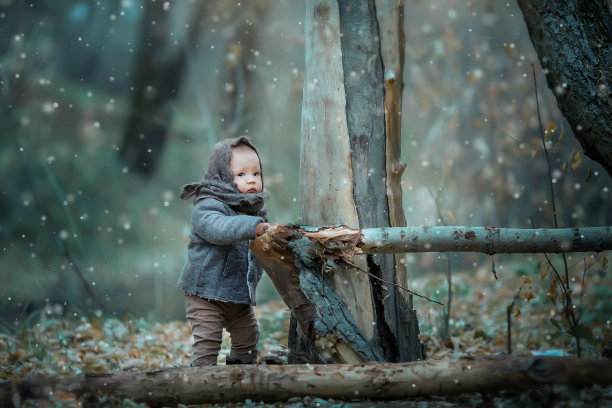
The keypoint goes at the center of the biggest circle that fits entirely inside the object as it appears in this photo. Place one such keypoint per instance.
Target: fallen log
(296, 257)
(375, 381)
(488, 240)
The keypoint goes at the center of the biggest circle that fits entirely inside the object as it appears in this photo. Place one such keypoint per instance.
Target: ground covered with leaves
(59, 346)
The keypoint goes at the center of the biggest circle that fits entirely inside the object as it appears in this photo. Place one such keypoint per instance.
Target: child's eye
(240, 174)
(256, 174)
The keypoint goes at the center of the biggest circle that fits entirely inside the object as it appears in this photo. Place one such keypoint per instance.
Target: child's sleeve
(211, 222)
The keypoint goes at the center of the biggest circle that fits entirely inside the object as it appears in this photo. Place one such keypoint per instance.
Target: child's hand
(261, 228)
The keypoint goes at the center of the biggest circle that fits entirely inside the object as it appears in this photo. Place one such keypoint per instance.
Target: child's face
(247, 172)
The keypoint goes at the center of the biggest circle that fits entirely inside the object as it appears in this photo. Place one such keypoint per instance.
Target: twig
(573, 321)
(449, 297)
(435, 200)
(509, 319)
(509, 327)
(531, 146)
(527, 144)
(552, 191)
(582, 289)
(396, 285)
(62, 248)
(448, 270)
(557, 275)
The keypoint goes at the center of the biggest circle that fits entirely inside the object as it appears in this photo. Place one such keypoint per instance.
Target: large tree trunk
(573, 40)
(349, 156)
(373, 381)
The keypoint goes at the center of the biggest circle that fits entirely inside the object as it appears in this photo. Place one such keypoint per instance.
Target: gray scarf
(218, 181)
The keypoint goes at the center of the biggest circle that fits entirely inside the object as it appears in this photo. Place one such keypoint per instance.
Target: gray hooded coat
(219, 265)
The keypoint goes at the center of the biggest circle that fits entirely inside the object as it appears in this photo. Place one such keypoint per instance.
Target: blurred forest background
(109, 107)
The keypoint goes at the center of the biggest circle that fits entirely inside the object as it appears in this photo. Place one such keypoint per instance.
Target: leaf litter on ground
(55, 346)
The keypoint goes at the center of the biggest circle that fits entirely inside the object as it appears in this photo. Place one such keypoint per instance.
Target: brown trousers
(209, 317)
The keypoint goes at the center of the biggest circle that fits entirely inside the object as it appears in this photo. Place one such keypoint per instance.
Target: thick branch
(489, 240)
(296, 258)
(374, 381)
(340, 243)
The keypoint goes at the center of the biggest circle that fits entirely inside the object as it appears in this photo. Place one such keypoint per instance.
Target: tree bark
(374, 381)
(326, 195)
(573, 40)
(488, 240)
(349, 145)
(326, 330)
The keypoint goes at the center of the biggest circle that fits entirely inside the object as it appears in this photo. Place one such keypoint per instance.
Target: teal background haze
(82, 232)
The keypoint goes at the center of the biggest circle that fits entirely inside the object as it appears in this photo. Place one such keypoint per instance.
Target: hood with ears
(220, 155)
(219, 183)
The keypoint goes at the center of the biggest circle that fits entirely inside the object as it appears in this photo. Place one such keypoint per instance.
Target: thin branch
(582, 289)
(552, 191)
(61, 246)
(448, 270)
(557, 275)
(396, 285)
(509, 319)
(435, 200)
(449, 297)
(521, 142)
(531, 146)
(509, 328)
(569, 308)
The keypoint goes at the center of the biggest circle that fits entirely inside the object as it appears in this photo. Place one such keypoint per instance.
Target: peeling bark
(365, 98)
(374, 381)
(390, 16)
(326, 172)
(296, 266)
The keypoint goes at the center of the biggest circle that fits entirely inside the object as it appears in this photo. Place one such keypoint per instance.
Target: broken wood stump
(295, 263)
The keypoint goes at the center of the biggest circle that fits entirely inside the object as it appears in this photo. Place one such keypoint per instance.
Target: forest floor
(60, 346)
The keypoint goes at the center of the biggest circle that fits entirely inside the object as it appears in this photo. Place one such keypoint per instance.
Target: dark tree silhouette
(573, 40)
(157, 84)
(239, 99)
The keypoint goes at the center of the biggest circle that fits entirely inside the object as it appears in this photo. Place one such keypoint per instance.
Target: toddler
(220, 275)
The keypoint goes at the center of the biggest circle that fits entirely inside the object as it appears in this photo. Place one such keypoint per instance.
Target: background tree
(161, 62)
(573, 40)
(238, 93)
